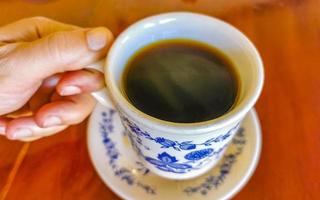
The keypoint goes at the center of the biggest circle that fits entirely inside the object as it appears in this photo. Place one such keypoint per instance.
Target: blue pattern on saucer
(214, 181)
(112, 152)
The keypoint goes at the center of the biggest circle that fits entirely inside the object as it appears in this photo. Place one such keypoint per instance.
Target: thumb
(59, 52)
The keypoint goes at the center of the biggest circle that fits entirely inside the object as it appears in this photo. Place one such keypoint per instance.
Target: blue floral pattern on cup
(195, 157)
(167, 143)
(198, 155)
(168, 163)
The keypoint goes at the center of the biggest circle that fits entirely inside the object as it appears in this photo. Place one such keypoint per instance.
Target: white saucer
(120, 169)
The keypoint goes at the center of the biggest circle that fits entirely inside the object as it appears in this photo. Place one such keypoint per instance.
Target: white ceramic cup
(182, 150)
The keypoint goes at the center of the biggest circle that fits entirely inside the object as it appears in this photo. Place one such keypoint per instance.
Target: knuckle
(40, 24)
(35, 21)
(57, 46)
(39, 19)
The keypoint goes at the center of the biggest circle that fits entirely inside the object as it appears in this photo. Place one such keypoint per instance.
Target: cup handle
(102, 95)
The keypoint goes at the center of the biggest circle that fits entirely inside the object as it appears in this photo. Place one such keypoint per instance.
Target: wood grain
(287, 34)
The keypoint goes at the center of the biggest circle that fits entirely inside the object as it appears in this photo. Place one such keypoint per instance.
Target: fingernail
(52, 121)
(70, 90)
(21, 133)
(97, 38)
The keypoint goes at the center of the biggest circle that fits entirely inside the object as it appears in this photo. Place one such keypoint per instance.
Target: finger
(30, 29)
(57, 53)
(81, 81)
(25, 127)
(30, 139)
(3, 125)
(70, 110)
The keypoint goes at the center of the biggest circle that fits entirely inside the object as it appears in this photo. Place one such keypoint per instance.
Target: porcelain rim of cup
(233, 116)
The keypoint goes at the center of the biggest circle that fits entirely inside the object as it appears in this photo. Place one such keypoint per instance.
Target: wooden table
(287, 34)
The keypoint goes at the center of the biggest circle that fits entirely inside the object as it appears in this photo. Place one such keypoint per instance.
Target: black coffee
(180, 81)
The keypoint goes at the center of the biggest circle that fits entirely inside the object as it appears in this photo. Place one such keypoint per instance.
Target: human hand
(44, 87)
